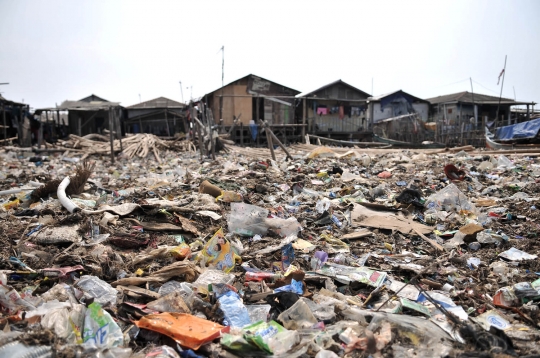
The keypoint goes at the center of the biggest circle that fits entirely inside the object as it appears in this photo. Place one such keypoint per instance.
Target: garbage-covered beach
(329, 252)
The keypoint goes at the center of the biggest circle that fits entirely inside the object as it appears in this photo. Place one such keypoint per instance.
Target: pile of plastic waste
(398, 253)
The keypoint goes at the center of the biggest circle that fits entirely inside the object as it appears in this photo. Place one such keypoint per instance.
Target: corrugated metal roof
(306, 94)
(467, 97)
(241, 78)
(160, 102)
(379, 97)
(7, 101)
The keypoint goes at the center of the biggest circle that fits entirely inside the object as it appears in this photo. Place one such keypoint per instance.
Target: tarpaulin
(525, 130)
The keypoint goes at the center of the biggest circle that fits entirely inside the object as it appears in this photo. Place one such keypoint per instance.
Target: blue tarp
(525, 130)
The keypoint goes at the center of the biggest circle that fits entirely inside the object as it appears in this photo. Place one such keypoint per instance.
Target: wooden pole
(241, 134)
(79, 125)
(40, 133)
(304, 119)
(274, 138)
(111, 130)
(119, 126)
(211, 122)
(4, 120)
(502, 85)
(167, 123)
(270, 144)
(57, 126)
(199, 132)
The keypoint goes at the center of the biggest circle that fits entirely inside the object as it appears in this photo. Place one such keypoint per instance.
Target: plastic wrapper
(98, 289)
(12, 301)
(347, 274)
(492, 318)
(261, 333)
(181, 251)
(295, 286)
(236, 314)
(258, 312)
(189, 331)
(100, 329)
(514, 254)
(287, 256)
(211, 276)
(173, 302)
(298, 316)
(174, 286)
(218, 252)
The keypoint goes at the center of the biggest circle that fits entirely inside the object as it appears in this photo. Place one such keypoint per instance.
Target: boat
(400, 144)
(517, 136)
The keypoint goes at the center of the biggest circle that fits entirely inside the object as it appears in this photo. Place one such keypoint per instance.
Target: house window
(449, 110)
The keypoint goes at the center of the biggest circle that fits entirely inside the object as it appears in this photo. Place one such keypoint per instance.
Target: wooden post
(206, 118)
(4, 121)
(199, 133)
(304, 119)
(274, 138)
(270, 144)
(167, 123)
(40, 133)
(119, 126)
(111, 130)
(79, 125)
(57, 126)
(241, 134)
(140, 126)
(462, 123)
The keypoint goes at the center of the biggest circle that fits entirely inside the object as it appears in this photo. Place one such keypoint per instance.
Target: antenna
(140, 98)
(181, 91)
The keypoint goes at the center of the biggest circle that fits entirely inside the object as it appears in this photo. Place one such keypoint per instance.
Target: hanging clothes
(341, 112)
(322, 111)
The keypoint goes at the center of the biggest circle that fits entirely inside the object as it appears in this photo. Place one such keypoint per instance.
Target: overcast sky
(55, 50)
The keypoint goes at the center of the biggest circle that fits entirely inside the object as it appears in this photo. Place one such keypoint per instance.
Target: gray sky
(62, 49)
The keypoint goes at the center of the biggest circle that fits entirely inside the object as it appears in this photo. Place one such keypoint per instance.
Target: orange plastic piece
(384, 175)
(189, 331)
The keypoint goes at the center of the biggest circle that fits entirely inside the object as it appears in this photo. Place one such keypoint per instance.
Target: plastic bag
(247, 220)
(98, 289)
(323, 205)
(258, 312)
(504, 163)
(322, 312)
(66, 324)
(298, 316)
(219, 253)
(450, 199)
(236, 314)
(100, 329)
